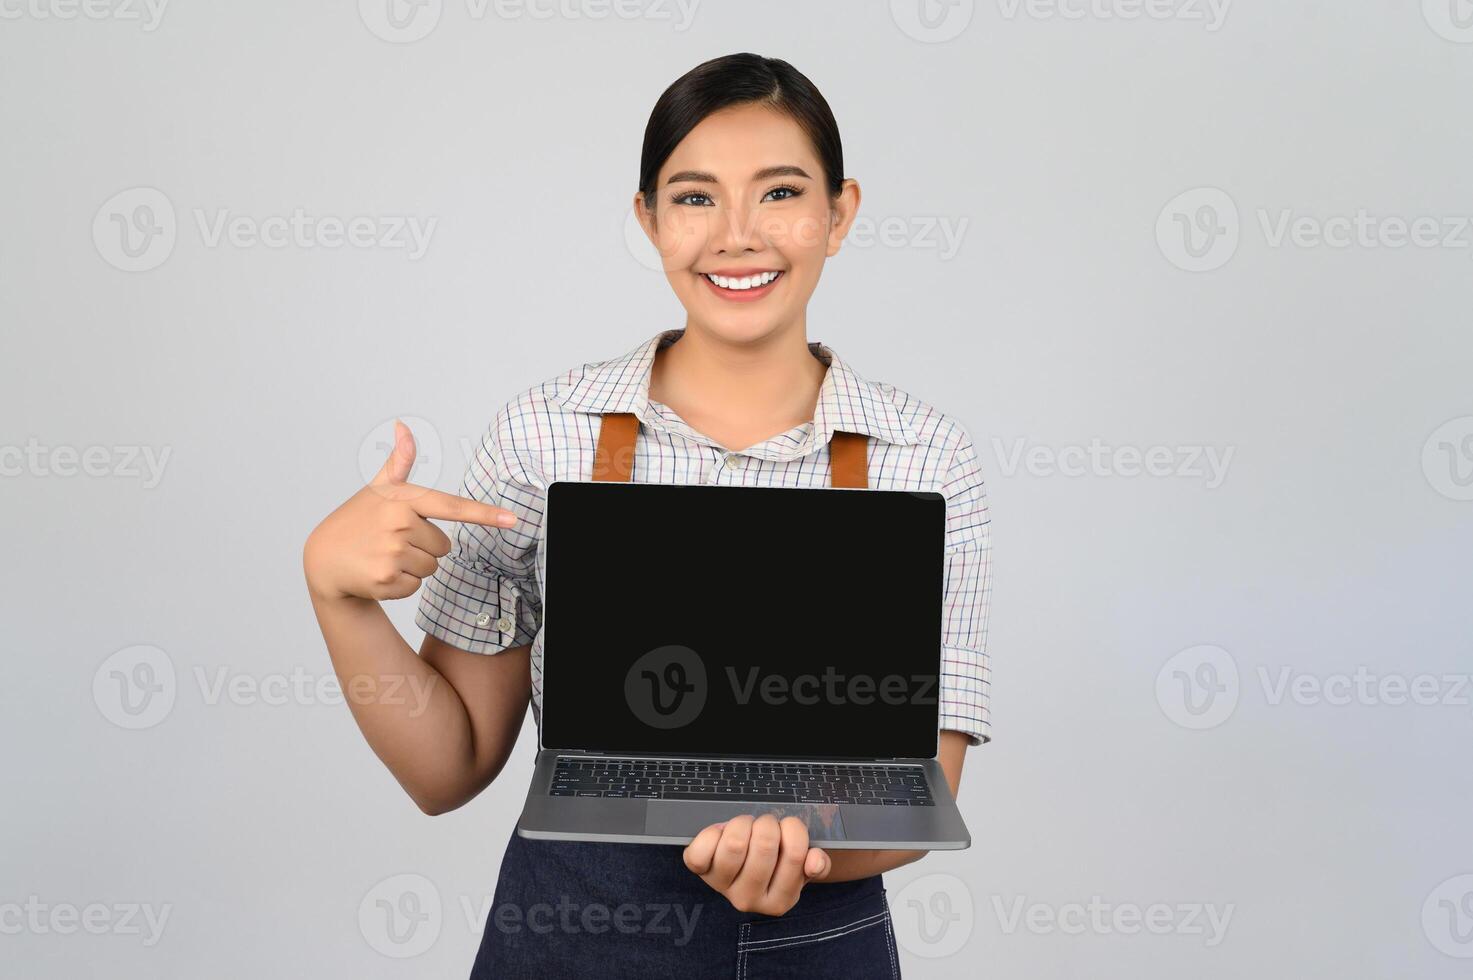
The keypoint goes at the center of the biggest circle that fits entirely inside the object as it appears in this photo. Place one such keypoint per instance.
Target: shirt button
(504, 624)
(484, 619)
(730, 462)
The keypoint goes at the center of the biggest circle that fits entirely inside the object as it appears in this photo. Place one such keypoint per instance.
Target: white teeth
(745, 282)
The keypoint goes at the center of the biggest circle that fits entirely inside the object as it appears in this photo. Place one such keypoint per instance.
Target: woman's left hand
(760, 865)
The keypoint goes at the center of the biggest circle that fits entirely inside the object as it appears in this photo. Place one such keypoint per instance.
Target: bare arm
(443, 721)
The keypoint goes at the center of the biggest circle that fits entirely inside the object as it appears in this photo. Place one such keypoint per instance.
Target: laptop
(710, 651)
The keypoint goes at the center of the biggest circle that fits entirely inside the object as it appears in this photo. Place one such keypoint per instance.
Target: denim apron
(587, 909)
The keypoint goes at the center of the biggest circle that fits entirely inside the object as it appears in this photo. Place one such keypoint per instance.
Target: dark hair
(738, 79)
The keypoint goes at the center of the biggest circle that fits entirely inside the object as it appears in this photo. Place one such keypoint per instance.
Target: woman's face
(743, 199)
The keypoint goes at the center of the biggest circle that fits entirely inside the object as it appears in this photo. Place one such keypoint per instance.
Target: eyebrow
(700, 176)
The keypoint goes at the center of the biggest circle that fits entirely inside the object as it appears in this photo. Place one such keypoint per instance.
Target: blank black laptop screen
(773, 621)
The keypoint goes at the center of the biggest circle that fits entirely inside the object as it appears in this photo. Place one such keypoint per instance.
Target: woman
(741, 190)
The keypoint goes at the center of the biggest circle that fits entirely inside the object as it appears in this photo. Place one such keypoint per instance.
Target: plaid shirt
(487, 593)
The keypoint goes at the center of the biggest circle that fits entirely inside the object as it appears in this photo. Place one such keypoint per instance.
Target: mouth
(742, 288)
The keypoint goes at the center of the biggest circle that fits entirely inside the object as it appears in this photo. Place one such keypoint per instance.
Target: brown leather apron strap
(848, 462)
(614, 457)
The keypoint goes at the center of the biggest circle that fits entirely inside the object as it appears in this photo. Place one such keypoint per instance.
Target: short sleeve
(484, 596)
(966, 675)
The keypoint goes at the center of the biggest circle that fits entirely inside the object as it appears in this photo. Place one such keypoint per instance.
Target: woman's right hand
(380, 544)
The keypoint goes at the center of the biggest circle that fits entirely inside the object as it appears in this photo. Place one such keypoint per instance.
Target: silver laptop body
(685, 623)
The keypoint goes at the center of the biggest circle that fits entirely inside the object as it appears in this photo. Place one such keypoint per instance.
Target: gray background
(1069, 310)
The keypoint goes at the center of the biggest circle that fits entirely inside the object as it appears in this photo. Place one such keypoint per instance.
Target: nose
(733, 230)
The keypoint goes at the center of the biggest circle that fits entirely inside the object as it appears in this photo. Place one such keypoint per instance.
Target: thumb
(816, 864)
(401, 458)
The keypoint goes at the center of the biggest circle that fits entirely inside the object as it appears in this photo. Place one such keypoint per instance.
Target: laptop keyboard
(755, 782)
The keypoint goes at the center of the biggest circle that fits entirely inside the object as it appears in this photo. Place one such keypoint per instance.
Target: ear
(646, 219)
(843, 211)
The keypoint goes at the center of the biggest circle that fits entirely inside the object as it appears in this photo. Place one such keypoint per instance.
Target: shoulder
(538, 427)
(941, 436)
(949, 456)
(554, 395)
(543, 398)
(572, 391)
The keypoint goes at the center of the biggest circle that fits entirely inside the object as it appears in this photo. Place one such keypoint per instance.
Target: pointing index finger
(449, 507)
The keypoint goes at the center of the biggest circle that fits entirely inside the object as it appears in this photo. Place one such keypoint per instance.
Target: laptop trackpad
(686, 818)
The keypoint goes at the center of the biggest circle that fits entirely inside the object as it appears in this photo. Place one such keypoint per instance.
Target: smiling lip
(740, 295)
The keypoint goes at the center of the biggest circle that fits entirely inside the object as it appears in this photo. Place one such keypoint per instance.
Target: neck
(773, 380)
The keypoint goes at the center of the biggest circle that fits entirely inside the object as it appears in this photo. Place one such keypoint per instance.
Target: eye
(686, 198)
(791, 192)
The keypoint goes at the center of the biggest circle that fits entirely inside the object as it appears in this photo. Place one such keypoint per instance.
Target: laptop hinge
(846, 759)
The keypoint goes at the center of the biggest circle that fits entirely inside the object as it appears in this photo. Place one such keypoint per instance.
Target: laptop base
(838, 826)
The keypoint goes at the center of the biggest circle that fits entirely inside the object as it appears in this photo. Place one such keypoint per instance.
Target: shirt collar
(846, 401)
